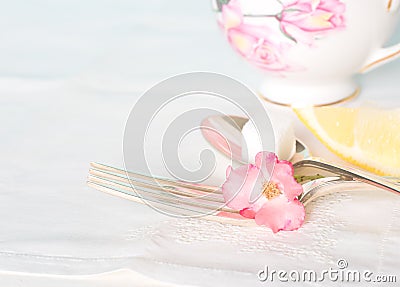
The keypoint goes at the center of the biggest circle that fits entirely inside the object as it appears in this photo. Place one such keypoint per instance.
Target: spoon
(231, 146)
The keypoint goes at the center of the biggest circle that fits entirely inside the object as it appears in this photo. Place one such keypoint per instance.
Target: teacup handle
(384, 55)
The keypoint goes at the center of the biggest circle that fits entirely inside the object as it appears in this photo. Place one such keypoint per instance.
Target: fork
(185, 199)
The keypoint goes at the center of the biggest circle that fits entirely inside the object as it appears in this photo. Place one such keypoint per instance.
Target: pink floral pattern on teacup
(266, 44)
(305, 19)
(258, 48)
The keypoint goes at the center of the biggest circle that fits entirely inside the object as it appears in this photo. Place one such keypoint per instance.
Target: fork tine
(134, 176)
(151, 185)
(183, 210)
(163, 198)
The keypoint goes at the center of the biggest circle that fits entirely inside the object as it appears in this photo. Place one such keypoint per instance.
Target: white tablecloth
(70, 72)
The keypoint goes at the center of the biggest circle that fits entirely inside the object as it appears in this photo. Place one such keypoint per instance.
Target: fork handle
(352, 173)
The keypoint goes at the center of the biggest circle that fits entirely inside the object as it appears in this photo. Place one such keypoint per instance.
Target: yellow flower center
(271, 190)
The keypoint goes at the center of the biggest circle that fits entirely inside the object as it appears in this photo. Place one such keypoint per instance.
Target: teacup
(310, 49)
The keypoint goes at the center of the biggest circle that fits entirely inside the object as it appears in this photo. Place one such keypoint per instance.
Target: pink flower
(260, 45)
(304, 19)
(258, 49)
(232, 15)
(276, 206)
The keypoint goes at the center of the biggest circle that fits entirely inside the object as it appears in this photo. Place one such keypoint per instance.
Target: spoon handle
(351, 173)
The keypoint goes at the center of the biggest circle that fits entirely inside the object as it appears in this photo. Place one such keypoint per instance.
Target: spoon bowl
(228, 139)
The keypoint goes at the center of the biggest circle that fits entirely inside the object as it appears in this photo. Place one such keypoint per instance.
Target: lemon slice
(366, 137)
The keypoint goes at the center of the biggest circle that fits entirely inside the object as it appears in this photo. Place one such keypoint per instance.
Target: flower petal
(283, 176)
(319, 21)
(242, 42)
(334, 6)
(281, 214)
(248, 213)
(231, 14)
(306, 19)
(266, 161)
(239, 185)
(297, 33)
